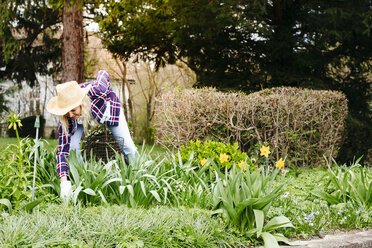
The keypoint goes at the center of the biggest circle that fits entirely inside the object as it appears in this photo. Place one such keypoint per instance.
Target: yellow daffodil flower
(203, 162)
(240, 164)
(280, 163)
(265, 151)
(224, 157)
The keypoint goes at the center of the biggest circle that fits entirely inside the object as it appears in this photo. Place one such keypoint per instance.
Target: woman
(73, 104)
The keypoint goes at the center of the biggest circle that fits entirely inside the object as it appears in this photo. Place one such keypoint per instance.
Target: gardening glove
(66, 191)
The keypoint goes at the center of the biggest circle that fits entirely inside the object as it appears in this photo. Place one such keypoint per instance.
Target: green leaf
(278, 222)
(89, 191)
(121, 189)
(259, 216)
(31, 205)
(269, 240)
(7, 203)
(102, 196)
(156, 195)
(165, 194)
(76, 193)
(325, 196)
(130, 189)
(143, 188)
(111, 181)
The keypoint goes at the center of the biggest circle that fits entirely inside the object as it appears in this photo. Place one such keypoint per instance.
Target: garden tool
(37, 126)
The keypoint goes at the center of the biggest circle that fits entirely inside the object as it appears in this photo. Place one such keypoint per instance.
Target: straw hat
(69, 96)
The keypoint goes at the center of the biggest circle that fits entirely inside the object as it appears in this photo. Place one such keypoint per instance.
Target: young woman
(74, 104)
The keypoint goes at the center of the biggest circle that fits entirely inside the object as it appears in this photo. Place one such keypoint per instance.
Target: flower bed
(242, 202)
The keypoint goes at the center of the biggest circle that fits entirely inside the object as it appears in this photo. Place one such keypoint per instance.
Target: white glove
(66, 191)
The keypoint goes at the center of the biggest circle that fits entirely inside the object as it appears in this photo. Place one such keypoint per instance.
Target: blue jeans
(119, 132)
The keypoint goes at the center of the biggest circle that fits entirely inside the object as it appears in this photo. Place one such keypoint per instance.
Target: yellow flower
(241, 163)
(203, 162)
(265, 151)
(224, 157)
(280, 163)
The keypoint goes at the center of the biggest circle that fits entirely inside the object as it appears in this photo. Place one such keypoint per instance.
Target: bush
(300, 124)
(224, 155)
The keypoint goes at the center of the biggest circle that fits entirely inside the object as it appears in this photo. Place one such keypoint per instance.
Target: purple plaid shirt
(100, 93)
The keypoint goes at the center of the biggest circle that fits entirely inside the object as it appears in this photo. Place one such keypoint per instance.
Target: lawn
(50, 144)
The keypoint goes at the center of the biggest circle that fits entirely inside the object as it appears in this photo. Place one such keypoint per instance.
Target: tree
(152, 83)
(73, 42)
(28, 40)
(250, 45)
(212, 37)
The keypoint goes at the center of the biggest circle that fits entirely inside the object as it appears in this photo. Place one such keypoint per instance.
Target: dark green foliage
(28, 129)
(213, 38)
(28, 40)
(357, 141)
(250, 45)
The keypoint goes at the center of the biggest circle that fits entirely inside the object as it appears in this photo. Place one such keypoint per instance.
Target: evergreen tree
(29, 43)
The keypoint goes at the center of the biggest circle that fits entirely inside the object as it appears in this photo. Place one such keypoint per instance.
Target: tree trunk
(73, 42)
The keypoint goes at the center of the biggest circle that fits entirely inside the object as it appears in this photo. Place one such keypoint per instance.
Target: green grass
(116, 226)
(4, 142)
(52, 144)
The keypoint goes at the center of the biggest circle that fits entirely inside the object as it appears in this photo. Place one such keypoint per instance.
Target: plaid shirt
(100, 94)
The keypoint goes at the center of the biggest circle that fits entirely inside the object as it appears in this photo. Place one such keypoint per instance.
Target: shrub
(224, 155)
(301, 124)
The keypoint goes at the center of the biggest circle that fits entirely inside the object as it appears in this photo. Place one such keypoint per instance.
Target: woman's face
(74, 113)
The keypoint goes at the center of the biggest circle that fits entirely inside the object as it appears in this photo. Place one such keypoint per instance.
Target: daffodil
(265, 151)
(280, 163)
(224, 157)
(203, 162)
(240, 164)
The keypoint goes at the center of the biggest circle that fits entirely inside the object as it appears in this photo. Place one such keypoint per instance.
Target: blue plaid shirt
(100, 94)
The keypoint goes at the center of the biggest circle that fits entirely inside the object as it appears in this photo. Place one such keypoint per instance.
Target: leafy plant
(89, 179)
(264, 231)
(223, 155)
(347, 184)
(16, 170)
(245, 198)
(237, 193)
(192, 184)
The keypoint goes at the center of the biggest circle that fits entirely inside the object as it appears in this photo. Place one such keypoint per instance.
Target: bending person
(74, 104)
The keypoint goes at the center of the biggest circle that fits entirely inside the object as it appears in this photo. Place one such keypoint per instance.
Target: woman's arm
(63, 153)
(100, 87)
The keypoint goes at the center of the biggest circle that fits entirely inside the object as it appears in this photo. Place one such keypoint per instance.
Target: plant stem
(20, 169)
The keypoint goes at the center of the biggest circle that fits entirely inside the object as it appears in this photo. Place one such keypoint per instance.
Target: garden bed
(197, 199)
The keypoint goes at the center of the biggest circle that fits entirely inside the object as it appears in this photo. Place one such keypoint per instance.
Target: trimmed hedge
(300, 124)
